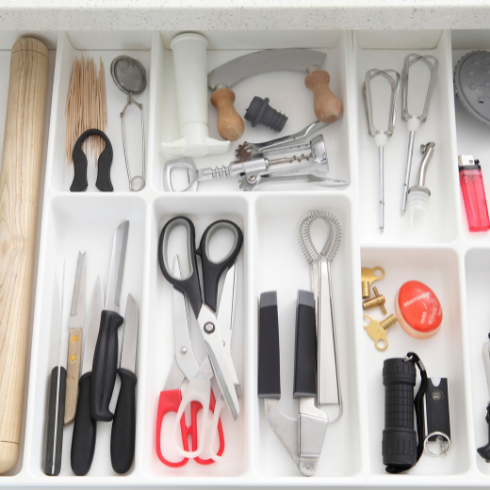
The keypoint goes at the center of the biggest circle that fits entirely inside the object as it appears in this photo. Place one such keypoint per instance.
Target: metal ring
(443, 451)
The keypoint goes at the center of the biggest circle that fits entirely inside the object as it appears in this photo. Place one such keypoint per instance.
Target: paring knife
(56, 406)
(230, 125)
(106, 350)
(84, 432)
(75, 324)
(124, 423)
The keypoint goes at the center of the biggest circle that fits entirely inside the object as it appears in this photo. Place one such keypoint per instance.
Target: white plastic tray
(439, 251)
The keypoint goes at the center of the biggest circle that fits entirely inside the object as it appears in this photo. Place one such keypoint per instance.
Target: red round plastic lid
(419, 306)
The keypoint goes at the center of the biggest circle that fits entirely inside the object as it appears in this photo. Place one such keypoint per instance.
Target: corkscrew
(310, 167)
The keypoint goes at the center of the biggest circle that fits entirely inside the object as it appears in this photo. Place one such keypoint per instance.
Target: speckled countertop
(243, 14)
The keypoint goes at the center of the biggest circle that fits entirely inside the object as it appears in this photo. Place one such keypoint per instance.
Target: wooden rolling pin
(19, 189)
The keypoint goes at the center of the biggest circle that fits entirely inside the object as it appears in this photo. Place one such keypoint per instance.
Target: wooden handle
(326, 105)
(73, 373)
(19, 189)
(230, 124)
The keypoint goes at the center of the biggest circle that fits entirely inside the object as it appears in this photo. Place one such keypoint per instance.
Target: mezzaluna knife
(106, 350)
(230, 125)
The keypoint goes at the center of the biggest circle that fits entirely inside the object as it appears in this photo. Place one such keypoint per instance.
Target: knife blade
(105, 356)
(296, 59)
(84, 431)
(123, 431)
(75, 325)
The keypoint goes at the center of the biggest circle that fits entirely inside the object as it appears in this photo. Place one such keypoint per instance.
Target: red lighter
(475, 202)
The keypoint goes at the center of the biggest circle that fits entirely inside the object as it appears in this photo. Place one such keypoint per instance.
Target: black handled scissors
(212, 321)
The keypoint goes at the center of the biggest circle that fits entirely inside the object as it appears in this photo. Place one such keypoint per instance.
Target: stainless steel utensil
(381, 137)
(414, 122)
(129, 75)
(328, 391)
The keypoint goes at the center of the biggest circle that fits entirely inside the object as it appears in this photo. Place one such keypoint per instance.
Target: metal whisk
(328, 384)
(414, 122)
(381, 137)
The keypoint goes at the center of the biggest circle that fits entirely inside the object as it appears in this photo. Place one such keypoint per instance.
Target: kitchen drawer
(438, 251)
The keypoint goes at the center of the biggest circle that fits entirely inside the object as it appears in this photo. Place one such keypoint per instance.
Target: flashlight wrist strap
(419, 403)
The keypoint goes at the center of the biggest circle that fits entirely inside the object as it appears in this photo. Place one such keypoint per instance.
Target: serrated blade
(116, 270)
(130, 342)
(296, 59)
(78, 307)
(93, 325)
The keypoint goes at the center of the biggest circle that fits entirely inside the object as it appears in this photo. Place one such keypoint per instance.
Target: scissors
(216, 329)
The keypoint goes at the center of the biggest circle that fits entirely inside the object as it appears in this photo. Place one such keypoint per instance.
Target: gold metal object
(377, 330)
(368, 277)
(379, 300)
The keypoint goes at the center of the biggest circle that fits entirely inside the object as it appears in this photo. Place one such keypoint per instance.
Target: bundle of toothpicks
(86, 107)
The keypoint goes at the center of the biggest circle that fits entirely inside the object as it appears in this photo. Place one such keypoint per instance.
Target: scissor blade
(116, 270)
(183, 353)
(220, 359)
(486, 363)
(226, 306)
(77, 312)
(175, 377)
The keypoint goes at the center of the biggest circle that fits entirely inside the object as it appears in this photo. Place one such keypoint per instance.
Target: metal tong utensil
(381, 137)
(260, 169)
(328, 390)
(414, 122)
(248, 150)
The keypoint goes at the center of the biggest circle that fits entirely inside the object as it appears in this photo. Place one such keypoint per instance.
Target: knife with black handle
(56, 404)
(56, 415)
(106, 350)
(124, 423)
(85, 429)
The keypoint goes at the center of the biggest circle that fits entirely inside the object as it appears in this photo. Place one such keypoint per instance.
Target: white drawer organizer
(440, 252)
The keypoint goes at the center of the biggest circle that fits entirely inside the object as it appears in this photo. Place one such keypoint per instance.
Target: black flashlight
(399, 436)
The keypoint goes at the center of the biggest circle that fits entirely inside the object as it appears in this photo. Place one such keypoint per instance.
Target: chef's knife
(124, 423)
(105, 356)
(230, 125)
(56, 405)
(84, 431)
(75, 324)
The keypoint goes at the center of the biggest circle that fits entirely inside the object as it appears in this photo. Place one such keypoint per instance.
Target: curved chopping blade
(295, 59)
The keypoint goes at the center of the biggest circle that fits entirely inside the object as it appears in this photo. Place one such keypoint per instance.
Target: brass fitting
(368, 277)
(379, 300)
(377, 330)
